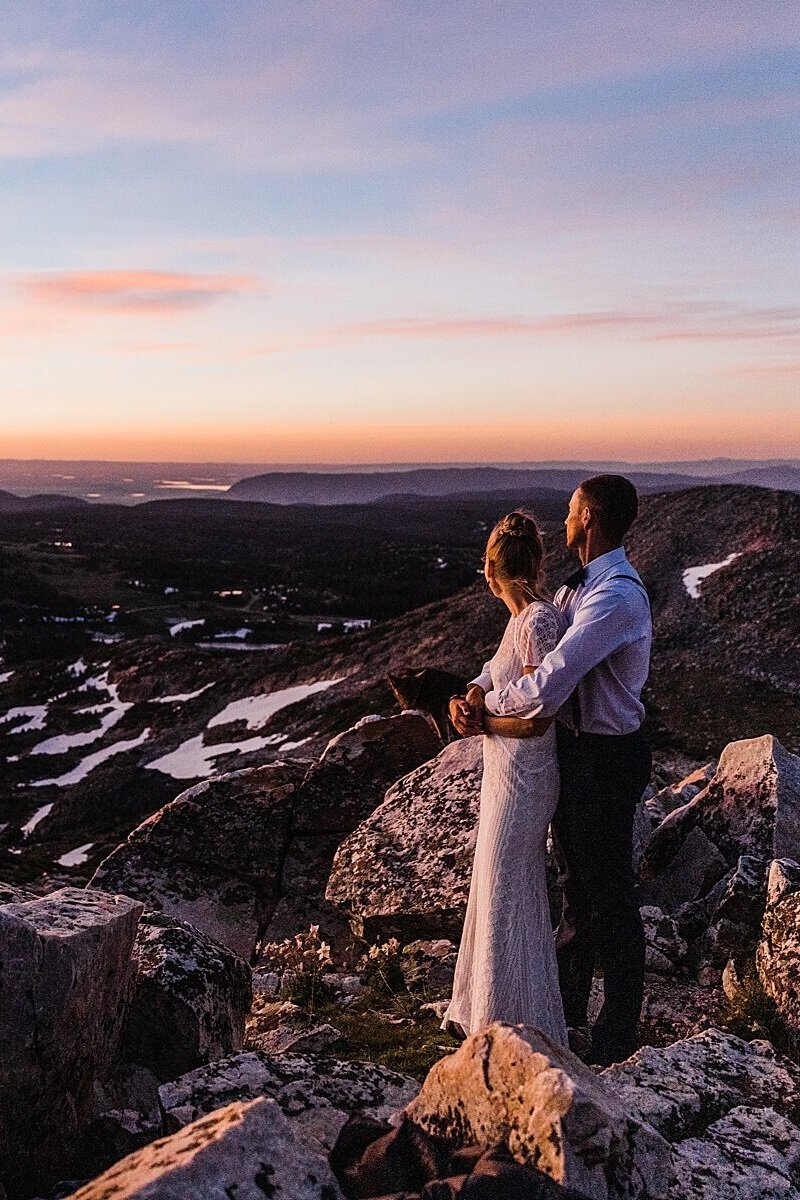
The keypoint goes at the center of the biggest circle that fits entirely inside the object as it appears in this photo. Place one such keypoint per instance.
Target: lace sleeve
(541, 633)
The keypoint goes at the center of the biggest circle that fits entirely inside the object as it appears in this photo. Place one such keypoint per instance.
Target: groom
(593, 680)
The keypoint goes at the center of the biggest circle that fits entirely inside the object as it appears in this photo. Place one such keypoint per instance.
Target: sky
(452, 230)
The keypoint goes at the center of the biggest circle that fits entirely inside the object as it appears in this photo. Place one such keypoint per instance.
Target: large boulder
(778, 951)
(683, 1088)
(729, 1108)
(339, 792)
(510, 1084)
(405, 871)
(67, 974)
(735, 921)
(317, 1094)
(213, 857)
(191, 998)
(245, 856)
(246, 1151)
(750, 807)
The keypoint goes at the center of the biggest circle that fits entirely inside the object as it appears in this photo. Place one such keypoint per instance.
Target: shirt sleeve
(607, 620)
(483, 680)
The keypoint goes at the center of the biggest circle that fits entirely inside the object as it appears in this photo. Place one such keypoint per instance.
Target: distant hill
(783, 477)
(10, 502)
(300, 487)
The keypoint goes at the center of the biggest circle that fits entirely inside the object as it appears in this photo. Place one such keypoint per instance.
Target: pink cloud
(134, 291)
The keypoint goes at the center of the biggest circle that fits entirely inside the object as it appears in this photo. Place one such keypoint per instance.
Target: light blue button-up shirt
(605, 654)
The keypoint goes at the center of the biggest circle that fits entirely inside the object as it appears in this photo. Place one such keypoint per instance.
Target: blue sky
(372, 231)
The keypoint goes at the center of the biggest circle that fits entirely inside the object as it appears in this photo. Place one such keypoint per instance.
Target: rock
(10, 894)
(67, 975)
(317, 1094)
(642, 830)
(696, 866)
(665, 948)
(338, 793)
(511, 1084)
(429, 967)
(280, 1026)
(405, 871)
(735, 922)
(126, 1115)
(783, 877)
(749, 1154)
(751, 807)
(191, 998)
(682, 1089)
(245, 1150)
(212, 857)
(778, 951)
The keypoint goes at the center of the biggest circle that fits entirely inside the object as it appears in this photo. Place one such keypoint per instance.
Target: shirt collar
(599, 566)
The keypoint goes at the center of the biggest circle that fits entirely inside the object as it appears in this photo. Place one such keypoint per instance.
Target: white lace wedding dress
(506, 968)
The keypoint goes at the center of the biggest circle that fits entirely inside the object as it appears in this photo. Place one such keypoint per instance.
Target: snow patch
(194, 760)
(179, 625)
(74, 858)
(256, 710)
(40, 814)
(181, 696)
(77, 669)
(91, 761)
(5, 676)
(694, 576)
(36, 712)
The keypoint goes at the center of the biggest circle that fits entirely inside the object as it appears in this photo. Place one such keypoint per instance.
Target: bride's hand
(466, 717)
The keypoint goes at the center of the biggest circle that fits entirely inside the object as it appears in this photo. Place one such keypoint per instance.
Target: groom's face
(574, 521)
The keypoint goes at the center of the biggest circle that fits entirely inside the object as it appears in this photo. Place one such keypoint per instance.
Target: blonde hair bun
(516, 549)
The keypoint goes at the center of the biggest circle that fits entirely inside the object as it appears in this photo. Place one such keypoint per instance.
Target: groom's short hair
(614, 501)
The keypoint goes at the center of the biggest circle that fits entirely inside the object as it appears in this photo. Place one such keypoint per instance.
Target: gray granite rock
(191, 998)
(778, 950)
(405, 871)
(246, 1151)
(665, 949)
(510, 1084)
(126, 1115)
(696, 866)
(212, 857)
(682, 1089)
(317, 1094)
(341, 790)
(278, 1026)
(750, 807)
(67, 975)
(735, 922)
(749, 1154)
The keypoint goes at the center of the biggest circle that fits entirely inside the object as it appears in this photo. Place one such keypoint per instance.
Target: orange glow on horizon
(637, 437)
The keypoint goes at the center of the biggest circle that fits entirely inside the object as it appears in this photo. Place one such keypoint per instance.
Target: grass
(367, 1035)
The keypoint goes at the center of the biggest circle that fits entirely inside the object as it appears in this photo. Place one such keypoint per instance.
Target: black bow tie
(574, 581)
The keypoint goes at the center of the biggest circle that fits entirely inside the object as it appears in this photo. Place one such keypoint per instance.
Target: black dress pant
(602, 780)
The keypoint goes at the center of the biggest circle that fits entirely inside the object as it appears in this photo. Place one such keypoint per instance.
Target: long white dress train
(506, 968)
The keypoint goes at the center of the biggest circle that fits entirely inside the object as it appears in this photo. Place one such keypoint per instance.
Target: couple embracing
(560, 709)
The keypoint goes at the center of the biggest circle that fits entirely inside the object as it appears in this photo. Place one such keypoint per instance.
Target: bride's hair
(516, 549)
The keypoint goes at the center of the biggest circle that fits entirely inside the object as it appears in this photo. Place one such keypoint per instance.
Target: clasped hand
(467, 713)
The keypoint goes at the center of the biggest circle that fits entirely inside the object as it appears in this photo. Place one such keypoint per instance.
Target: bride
(506, 968)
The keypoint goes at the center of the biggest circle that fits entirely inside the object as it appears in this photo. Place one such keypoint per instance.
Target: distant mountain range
(132, 484)
(301, 487)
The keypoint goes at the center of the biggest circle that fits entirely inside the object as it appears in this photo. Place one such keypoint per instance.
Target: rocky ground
(247, 996)
(232, 887)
